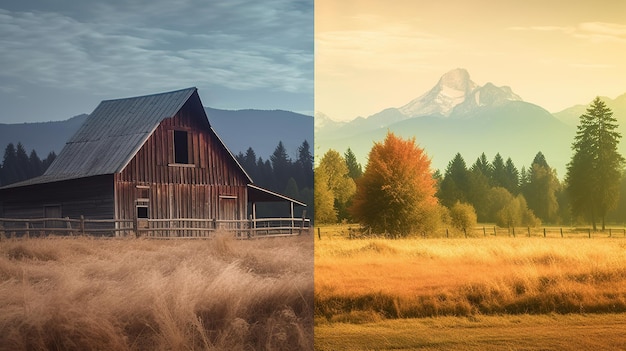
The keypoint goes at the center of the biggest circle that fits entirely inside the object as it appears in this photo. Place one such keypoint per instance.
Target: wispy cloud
(566, 30)
(592, 65)
(602, 32)
(394, 47)
(592, 31)
(239, 45)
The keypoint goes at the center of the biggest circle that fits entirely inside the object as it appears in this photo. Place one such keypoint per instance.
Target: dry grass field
(367, 283)
(97, 294)
(551, 332)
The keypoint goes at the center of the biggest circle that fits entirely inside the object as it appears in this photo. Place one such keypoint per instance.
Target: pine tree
(455, 183)
(281, 163)
(22, 163)
(498, 175)
(9, 165)
(304, 163)
(540, 160)
(48, 160)
(540, 189)
(248, 162)
(478, 187)
(593, 174)
(35, 166)
(482, 165)
(354, 168)
(512, 177)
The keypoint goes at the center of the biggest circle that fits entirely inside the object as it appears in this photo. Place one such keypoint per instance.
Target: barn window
(181, 147)
(142, 211)
(143, 201)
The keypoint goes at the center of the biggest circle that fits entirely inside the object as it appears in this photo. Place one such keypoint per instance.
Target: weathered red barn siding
(211, 181)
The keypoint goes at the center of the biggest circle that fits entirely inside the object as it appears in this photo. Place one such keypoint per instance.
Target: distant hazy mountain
(457, 115)
(571, 115)
(43, 137)
(324, 122)
(262, 130)
(259, 129)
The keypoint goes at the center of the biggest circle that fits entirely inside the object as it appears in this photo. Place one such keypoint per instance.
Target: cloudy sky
(372, 55)
(61, 58)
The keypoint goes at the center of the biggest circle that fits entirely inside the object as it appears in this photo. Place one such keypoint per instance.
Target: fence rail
(360, 232)
(153, 228)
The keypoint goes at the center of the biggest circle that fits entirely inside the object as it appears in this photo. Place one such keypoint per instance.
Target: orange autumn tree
(396, 194)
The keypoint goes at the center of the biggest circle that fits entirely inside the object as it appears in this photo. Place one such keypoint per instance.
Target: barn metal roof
(111, 136)
(114, 132)
(259, 194)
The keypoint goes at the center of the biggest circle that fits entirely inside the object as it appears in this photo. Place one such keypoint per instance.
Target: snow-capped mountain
(455, 95)
(452, 89)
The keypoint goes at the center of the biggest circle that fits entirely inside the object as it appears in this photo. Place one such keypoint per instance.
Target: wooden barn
(143, 158)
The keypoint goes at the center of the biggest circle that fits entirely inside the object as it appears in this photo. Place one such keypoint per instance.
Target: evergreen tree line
(282, 174)
(502, 194)
(17, 165)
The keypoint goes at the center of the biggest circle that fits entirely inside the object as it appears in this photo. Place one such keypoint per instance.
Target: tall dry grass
(369, 280)
(221, 294)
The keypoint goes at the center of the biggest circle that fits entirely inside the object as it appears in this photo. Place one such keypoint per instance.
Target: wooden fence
(358, 232)
(152, 228)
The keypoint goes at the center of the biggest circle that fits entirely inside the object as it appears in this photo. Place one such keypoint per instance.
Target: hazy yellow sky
(372, 54)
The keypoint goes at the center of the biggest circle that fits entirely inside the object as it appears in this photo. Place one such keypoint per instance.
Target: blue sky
(61, 58)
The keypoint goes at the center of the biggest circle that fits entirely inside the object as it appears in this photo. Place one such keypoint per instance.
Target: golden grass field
(134, 294)
(365, 287)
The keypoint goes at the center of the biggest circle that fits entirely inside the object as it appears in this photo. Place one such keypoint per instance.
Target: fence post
(589, 231)
(250, 225)
(303, 220)
(68, 225)
(136, 227)
(82, 225)
(447, 233)
(544, 232)
(494, 231)
(561, 232)
(27, 232)
(319, 233)
(610, 234)
(514, 232)
(465, 231)
(484, 231)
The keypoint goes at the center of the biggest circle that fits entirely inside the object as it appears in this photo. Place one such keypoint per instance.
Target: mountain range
(458, 115)
(239, 129)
